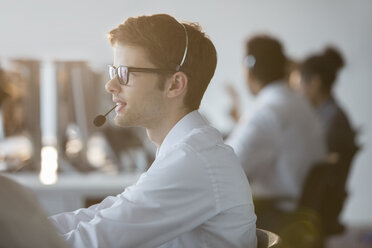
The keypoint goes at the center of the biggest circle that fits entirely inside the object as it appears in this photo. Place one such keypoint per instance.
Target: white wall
(72, 29)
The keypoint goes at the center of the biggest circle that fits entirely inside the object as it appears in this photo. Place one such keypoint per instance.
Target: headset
(101, 119)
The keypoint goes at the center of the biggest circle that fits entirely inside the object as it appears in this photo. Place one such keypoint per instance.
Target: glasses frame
(128, 69)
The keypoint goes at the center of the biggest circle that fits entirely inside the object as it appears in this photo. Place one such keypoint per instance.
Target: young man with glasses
(195, 193)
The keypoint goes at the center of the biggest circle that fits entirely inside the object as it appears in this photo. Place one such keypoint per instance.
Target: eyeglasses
(123, 72)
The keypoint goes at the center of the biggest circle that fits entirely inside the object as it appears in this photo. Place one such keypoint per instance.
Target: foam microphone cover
(99, 120)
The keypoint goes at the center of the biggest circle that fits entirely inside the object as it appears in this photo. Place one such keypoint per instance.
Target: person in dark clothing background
(325, 188)
(318, 75)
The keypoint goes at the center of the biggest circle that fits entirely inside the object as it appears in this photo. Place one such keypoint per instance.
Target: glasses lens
(123, 75)
(112, 71)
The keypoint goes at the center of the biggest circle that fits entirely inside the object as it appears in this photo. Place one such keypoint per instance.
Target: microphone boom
(101, 119)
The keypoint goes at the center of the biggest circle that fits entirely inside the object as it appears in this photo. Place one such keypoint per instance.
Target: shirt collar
(273, 86)
(270, 91)
(179, 131)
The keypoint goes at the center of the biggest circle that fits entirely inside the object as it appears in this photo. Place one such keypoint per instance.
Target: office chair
(267, 239)
(324, 192)
(320, 205)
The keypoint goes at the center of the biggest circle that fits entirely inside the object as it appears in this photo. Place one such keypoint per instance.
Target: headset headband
(185, 53)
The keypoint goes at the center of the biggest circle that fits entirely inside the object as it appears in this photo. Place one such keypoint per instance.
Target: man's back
(278, 142)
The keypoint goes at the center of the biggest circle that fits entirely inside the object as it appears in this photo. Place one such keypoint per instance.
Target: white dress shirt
(195, 194)
(277, 142)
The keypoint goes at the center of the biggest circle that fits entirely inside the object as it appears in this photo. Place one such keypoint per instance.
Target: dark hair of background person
(163, 38)
(3, 94)
(325, 66)
(270, 61)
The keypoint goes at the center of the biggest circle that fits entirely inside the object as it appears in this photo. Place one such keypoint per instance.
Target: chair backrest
(324, 191)
(267, 239)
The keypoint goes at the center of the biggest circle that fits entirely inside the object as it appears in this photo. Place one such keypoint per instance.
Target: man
(280, 138)
(195, 194)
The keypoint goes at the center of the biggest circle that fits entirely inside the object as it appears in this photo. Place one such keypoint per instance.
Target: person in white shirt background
(195, 194)
(279, 138)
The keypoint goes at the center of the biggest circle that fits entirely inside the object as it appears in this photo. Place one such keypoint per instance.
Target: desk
(71, 191)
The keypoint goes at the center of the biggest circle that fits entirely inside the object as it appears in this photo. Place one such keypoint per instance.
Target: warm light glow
(49, 165)
(73, 147)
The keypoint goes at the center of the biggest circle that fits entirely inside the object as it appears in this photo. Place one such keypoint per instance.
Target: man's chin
(123, 122)
(120, 122)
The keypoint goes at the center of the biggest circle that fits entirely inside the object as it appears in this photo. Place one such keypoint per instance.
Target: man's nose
(113, 86)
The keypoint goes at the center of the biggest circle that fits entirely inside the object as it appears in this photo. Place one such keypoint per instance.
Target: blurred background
(53, 56)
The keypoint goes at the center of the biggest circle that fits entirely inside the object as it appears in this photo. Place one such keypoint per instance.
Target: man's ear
(178, 85)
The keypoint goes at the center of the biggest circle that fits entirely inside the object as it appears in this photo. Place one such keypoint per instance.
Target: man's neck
(158, 132)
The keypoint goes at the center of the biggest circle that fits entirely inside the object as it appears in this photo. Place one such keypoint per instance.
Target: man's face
(140, 102)
(251, 82)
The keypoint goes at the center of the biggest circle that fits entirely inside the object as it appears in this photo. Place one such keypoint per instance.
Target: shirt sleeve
(66, 222)
(161, 206)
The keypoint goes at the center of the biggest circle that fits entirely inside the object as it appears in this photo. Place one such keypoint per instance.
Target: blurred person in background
(195, 193)
(3, 93)
(15, 144)
(326, 191)
(23, 222)
(3, 96)
(279, 138)
(318, 74)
